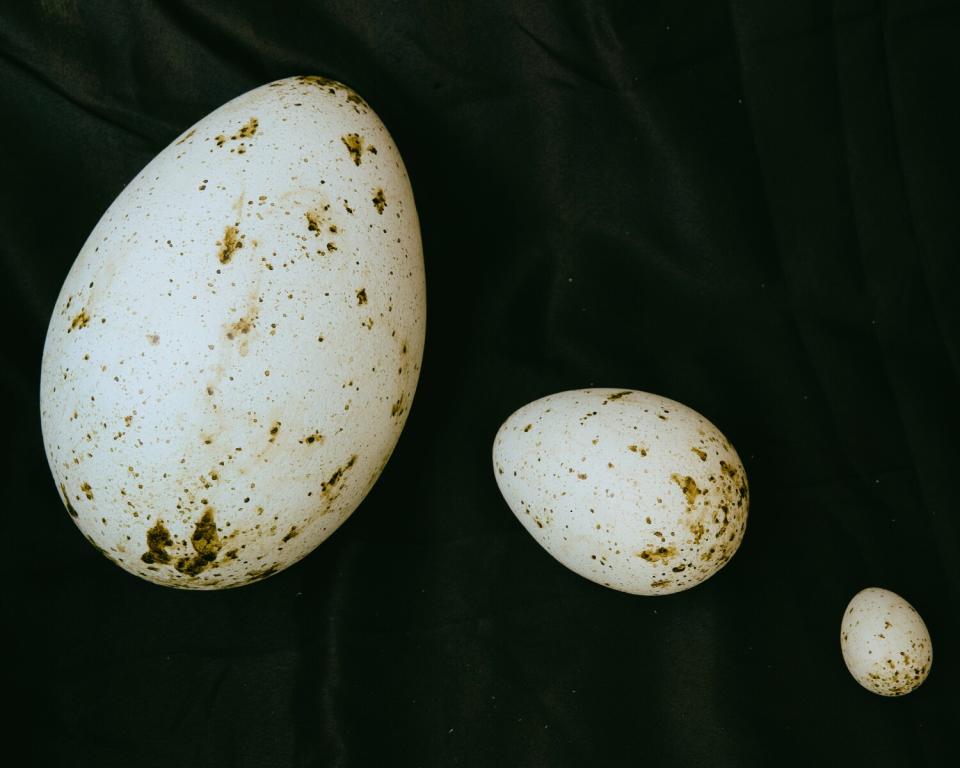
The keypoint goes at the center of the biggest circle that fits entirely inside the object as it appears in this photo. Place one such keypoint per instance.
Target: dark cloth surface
(749, 207)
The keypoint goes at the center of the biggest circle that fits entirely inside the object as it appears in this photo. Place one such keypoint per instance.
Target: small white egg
(885, 644)
(628, 489)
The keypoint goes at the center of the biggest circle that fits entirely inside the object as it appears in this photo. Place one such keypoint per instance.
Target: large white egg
(631, 490)
(235, 350)
(884, 642)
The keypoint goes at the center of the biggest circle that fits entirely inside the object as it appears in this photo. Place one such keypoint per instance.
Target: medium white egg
(234, 352)
(631, 490)
(885, 644)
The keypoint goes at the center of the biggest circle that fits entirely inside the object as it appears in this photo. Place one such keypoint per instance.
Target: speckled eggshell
(631, 490)
(885, 644)
(235, 350)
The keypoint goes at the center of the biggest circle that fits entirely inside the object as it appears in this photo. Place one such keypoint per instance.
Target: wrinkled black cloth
(749, 207)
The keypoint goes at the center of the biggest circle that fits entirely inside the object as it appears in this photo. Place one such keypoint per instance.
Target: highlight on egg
(629, 489)
(236, 348)
(885, 643)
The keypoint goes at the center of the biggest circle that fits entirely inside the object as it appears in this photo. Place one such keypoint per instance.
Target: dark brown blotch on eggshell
(354, 144)
(261, 574)
(689, 487)
(660, 554)
(314, 221)
(334, 87)
(242, 326)
(245, 131)
(66, 502)
(206, 545)
(158, 539)
(329, 488)
(81, 320)
(231, 242)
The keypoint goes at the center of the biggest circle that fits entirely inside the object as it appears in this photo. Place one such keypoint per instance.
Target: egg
(628, 489)
(884, 642)
(235, 350)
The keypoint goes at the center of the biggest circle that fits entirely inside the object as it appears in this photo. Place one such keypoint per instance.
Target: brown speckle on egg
(689, 487)
(66, 502)
(328, 487)
(659, 554)
(245, 131)
(81, 320)
(229, 244)
(354, 144)
(314, 221)
(158, 539)
(206, 544)
(242, 326)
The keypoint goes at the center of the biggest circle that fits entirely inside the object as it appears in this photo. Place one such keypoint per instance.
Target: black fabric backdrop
(750, 207)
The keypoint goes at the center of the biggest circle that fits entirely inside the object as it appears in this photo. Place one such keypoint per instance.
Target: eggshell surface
(631, 490)
(235, 350)
(884, 642)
